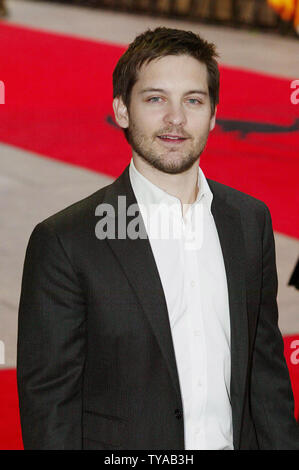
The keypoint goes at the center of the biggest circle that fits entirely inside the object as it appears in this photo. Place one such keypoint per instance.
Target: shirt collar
(150, 195)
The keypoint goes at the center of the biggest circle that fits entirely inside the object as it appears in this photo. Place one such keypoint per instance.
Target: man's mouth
(174, 139)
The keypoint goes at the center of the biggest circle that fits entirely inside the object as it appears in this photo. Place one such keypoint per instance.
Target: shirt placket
(198, 350)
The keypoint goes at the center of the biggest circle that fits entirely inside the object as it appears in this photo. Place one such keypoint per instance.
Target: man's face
(169, 118)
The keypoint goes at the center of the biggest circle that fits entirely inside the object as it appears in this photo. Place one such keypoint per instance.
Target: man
(130, 338)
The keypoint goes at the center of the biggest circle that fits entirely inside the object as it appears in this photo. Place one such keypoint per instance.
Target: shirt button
(196, 333)
(192, 283)
(178, 414)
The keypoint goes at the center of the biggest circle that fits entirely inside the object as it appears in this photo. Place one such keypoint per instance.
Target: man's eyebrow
(145, 90)
(161, 90)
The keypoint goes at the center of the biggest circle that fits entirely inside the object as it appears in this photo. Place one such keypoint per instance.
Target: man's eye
(194, 101)
(154, 99)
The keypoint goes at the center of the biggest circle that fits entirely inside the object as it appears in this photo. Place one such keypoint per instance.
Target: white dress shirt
(189, 259)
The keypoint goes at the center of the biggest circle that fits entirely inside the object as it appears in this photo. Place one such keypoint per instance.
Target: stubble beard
(158, 159)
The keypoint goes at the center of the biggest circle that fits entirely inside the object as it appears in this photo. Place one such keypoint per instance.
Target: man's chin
(172, 162)
(173, 168)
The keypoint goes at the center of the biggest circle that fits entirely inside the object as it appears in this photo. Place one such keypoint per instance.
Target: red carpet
(10, 431)
(58, 92)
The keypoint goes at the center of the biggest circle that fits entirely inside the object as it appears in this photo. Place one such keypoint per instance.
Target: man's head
(167, 84)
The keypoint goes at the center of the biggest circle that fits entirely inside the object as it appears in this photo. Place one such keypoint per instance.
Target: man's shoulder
(76, 216)
(236, 198)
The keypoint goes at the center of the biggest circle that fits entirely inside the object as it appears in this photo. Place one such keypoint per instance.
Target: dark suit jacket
(96, 365)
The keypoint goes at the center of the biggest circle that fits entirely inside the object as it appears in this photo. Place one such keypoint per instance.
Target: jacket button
(178, 414)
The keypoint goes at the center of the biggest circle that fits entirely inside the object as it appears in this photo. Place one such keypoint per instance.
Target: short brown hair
(158, 43)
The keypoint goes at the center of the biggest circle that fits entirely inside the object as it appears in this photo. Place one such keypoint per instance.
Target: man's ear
(120, 112)
(213, 120)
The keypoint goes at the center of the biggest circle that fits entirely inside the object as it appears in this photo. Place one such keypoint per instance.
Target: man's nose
(175, 115)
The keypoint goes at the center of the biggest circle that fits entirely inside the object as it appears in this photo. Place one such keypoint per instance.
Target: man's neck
(184, 185)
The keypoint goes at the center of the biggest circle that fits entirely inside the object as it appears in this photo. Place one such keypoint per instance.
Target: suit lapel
(228, 223)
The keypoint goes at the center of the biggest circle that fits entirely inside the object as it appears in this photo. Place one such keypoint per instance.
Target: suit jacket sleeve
(50, 357)
(272, 400)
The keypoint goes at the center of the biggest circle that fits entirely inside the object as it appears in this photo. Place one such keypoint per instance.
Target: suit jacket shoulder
(236, 197)
(251, 209)
(75, 216)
